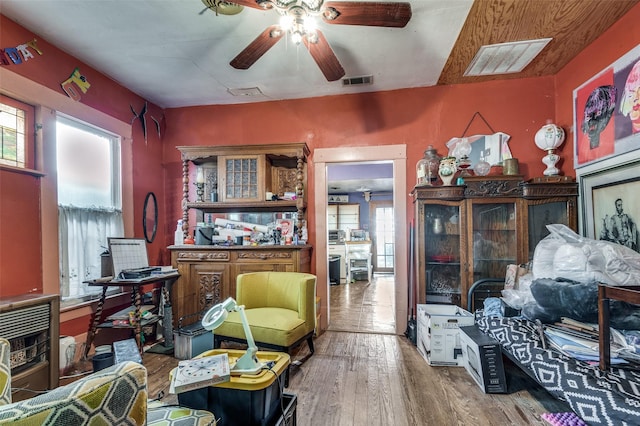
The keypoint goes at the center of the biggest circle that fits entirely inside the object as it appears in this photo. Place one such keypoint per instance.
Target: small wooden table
(135, 285)
(629, 294)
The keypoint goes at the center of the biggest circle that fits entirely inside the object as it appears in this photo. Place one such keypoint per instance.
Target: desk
(135, 285)
(629, 294)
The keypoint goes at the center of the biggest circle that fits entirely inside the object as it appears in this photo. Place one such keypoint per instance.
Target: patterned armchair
(115, 395)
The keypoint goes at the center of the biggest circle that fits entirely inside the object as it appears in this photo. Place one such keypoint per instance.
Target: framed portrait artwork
(610, 209)
(607, 112)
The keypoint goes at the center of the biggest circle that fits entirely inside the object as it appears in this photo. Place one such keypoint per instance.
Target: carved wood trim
(493, 188)
(254, 255)
(210, 289)
(203, 255)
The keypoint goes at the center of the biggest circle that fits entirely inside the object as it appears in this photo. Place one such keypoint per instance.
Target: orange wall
(20, 216)
(20, 242)
(415, 117)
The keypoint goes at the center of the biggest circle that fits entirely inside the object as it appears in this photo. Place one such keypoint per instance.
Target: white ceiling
(173, 55)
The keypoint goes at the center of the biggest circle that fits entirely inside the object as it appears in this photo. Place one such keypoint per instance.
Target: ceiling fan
(298, 19)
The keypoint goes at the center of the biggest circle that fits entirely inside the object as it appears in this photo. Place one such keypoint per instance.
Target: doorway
(397, 155)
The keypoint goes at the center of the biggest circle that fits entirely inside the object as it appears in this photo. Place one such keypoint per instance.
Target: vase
(447, 170)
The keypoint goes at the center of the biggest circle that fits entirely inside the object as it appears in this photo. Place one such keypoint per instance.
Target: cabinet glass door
(541, 215)
(493, 238)
(442, 253)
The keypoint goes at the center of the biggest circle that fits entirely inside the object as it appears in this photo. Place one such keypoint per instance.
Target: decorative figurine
(447, 170)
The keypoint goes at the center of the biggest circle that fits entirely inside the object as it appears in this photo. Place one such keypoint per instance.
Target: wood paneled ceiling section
(573, 24)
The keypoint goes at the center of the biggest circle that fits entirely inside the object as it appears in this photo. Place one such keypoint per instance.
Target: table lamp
(247, 363)
(549, 138)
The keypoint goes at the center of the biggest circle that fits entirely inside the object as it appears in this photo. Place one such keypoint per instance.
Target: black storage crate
(236, 406)
(289, 416)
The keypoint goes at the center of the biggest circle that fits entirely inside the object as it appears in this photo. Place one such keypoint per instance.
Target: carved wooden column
(185, 196)
(300, 192)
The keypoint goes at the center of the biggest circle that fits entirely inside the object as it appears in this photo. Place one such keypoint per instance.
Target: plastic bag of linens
(565, 254)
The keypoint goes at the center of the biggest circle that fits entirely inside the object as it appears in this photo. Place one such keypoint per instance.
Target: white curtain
(83, 234)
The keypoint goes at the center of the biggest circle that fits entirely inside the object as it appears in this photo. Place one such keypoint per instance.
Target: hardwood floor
(363, 306)
(360, 377)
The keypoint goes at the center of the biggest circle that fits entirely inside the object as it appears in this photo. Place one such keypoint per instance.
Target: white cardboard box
(439, 335)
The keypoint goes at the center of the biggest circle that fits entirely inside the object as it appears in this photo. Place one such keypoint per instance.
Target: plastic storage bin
(289, 416)
(191, 340)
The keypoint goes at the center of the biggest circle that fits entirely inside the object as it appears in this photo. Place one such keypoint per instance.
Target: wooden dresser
(208, 273)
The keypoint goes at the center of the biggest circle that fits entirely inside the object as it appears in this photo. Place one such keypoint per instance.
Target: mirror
(493, 148)
(150, 217)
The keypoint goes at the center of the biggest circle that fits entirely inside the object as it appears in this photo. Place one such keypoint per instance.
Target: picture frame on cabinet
(609, 210)
(606, 112)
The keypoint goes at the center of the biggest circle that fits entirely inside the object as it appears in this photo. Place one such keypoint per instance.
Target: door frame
(397, 154)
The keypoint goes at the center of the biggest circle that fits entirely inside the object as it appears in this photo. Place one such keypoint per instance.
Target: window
(16, 133)
(89, 203)
(344, 217)
(384, 236)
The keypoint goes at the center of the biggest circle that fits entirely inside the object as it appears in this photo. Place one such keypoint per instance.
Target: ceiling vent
(249, 91)
(505, 58)
(356, 81)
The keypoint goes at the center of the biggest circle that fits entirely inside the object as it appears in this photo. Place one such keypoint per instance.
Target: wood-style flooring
(362, 374)
(362, 306)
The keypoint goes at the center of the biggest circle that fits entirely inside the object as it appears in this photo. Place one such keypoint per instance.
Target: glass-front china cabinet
(469, 232)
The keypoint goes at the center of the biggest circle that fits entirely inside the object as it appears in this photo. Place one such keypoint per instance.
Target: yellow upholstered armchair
(280, 308)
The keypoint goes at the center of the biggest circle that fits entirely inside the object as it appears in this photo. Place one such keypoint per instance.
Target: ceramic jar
(447, 170)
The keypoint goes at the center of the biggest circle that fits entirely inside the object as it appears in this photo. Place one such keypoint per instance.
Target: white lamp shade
(217, 314)
(214, 317)
(462, 148)
(549, 137)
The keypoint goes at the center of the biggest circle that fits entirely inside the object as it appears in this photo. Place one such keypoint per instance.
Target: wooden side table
(629, 294)
(135, 286)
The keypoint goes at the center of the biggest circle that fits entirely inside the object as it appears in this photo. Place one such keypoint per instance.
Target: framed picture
(607, 112)
(610, 209)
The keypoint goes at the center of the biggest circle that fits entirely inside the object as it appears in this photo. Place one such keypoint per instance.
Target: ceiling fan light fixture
(310, 25)
(296, 37)
(221, 7)
(505, 58)
(286, 22)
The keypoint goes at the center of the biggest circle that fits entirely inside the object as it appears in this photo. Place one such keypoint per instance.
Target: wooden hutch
(237, 179)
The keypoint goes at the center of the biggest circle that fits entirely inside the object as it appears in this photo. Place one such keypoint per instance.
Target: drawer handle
(263, 257)
(201, 256)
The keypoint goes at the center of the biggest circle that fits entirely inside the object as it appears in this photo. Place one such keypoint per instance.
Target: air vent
(356, 81)
(248, 91)
(505, 58)
(22, 322)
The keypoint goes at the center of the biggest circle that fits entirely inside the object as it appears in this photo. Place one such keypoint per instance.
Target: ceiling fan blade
(257, 47)
(374, 14)
(255, 4)
(324, 57)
